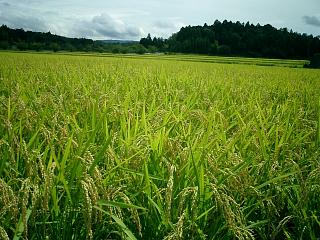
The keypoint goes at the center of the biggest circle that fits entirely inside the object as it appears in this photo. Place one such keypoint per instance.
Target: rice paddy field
(158, 147)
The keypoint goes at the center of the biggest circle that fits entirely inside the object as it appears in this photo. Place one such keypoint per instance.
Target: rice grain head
(3, 234)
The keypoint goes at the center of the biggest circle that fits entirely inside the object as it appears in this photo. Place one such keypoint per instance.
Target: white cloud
(104, 26)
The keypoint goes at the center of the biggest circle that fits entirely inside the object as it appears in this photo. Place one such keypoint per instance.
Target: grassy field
(123, 147)
(207, 59)
(192, 58)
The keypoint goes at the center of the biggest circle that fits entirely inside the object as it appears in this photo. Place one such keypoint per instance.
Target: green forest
(238, 39)
(221, 38)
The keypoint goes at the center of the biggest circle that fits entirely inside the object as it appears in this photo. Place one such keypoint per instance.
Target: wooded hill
(238, 39)
(28, 40)
(18, 39)
(221, 38)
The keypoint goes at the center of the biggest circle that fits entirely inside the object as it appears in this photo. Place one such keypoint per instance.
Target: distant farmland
(158, 147)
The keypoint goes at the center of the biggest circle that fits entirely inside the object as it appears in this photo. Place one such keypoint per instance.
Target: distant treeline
(238, 39)
(222, 38)
(18, 39)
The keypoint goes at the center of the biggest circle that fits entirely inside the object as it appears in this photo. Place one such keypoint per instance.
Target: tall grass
(107, 148)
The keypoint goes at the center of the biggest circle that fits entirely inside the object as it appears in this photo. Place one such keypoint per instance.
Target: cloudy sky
(128, 19)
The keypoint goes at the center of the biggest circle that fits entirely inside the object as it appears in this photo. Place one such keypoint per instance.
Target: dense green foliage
(228, 38)
(120, 148)
(315, 61)
(221, 38)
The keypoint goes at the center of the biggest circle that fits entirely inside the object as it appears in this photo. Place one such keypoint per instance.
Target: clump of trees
(154, 44)
(124, 48)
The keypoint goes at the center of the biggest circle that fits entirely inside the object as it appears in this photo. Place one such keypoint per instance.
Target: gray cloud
(106, 27)
(10, 16)
(22, 21)
(103, 26)
(170, 23)
(312, 20)
(164, 25)
(5, 4)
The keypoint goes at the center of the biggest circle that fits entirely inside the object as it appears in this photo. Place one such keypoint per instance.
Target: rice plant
(122, 148)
